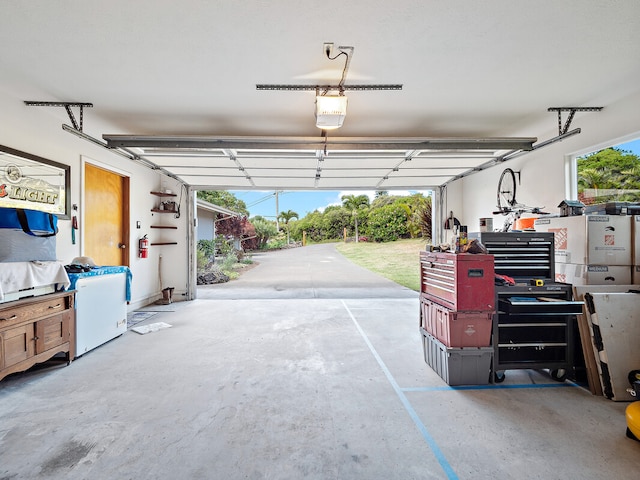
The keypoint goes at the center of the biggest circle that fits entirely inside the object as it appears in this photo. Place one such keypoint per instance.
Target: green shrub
(201, 260)
(387, 223)
(228, 261)
(207, 248)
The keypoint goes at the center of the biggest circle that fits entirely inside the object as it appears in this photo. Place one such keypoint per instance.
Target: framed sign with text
(35, 183)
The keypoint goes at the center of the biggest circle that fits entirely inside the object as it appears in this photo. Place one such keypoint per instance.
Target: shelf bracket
(572, 111)
(67, 106)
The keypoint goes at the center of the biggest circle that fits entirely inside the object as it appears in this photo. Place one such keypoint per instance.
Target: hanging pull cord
(346, 64)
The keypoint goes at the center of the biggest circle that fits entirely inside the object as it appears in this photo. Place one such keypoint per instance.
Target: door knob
(122, 245)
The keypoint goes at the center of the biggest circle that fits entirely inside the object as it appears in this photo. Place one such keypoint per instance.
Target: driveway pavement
(314, 271)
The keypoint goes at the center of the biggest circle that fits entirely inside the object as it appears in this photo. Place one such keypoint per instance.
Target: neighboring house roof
(210, 207)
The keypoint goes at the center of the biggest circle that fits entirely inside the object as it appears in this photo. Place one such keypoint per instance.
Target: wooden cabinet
(32, 330)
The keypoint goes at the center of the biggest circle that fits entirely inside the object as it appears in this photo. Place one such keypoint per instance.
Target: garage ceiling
(174, 83)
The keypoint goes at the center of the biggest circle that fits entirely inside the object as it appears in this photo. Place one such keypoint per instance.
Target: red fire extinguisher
(143, 247)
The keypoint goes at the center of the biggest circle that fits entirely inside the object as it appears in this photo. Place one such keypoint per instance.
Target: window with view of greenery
(609, 175)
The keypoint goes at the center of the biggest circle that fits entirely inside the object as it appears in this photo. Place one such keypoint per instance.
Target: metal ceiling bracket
(67, 106)
(572, 111)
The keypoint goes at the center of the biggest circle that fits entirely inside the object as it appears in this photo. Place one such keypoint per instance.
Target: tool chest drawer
(461, 282)
(533, 328)
(520, 255)
(539, 306)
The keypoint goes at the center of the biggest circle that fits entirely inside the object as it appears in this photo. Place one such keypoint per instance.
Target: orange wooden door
(106, 216)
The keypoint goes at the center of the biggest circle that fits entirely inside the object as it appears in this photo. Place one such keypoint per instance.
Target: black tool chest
(534, 323)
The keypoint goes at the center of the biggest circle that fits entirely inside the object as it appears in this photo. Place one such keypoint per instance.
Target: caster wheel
(499, 377)
(559, 374)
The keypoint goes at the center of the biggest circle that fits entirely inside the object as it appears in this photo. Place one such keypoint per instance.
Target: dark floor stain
(359, 458)
(70, 454)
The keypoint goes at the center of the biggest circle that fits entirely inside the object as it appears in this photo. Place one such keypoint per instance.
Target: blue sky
(263, 203)
(633, 146)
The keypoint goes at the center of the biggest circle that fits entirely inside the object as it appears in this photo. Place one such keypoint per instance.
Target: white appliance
(101, 310)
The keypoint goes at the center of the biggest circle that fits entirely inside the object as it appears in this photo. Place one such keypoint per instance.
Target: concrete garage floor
(306, 367)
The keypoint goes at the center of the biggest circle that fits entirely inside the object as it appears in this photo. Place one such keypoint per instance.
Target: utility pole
(277, 211)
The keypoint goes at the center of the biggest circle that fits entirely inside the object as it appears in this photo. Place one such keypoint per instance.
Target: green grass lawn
(398, 261)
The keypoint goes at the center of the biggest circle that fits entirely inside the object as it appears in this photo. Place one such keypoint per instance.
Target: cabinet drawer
(34, 310)
(538, 306)
(17, 345)
(52, 331)
(527, 354)
(532, 333)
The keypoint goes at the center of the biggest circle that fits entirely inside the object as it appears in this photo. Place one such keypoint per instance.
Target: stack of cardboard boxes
(595, 249)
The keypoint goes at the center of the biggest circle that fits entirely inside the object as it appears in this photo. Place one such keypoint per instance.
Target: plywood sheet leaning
(615, 321)
(589, 351)
(586, 341)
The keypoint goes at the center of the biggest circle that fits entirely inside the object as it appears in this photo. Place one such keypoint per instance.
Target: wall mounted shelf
(173, 209)
(157, 210)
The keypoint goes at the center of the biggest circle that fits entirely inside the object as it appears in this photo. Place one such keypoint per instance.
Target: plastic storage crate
(462, 329)
(457, 366)
(455, 329)
(426, 314)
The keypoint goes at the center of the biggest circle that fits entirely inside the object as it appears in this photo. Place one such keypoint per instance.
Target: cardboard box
(579, 274)
(590, 239)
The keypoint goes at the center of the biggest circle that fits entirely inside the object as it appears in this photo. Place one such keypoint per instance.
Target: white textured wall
(205, 224)
(543, 173)
(38, 130)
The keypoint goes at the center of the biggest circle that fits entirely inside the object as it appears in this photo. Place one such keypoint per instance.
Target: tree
(225, 199)
(286, 216)
(388, 223)
(594, 179)
(354, 203)
(419, 214)
(612, 173)
(264, 230)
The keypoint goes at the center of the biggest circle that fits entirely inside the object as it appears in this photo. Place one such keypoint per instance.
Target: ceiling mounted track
(392, 86)
(313, 143)
(67, 105)
(345, 51)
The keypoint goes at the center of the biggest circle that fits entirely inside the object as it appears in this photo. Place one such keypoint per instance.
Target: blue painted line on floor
(488, 387)
(451, 475)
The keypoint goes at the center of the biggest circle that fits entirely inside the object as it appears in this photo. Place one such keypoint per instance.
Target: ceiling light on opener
(331, 111)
